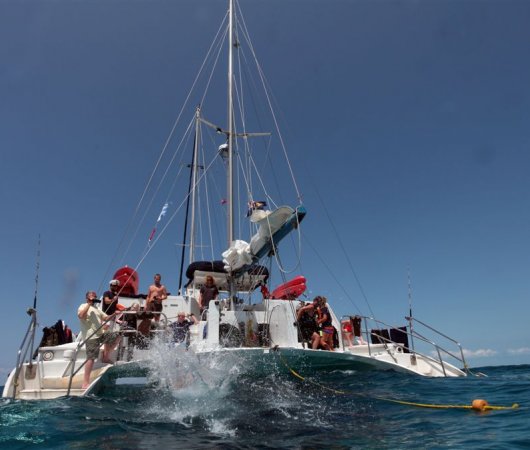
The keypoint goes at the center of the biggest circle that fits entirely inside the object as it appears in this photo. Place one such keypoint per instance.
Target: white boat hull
(257, 339)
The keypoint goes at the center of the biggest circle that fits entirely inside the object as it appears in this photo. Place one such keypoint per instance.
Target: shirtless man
(157, 293)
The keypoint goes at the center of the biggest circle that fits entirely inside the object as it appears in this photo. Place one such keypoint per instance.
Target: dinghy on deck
(290, 290)
(272, 228)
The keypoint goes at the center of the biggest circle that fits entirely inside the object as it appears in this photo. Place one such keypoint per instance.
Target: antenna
(413, 356)
(410, 291)
(37, 275)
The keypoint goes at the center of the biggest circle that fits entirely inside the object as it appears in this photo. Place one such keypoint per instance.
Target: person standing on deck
(110, 298)
(306, 317)
(157, 293)
(208, 292)
(325, 324)
(91, 319)
(357, 332)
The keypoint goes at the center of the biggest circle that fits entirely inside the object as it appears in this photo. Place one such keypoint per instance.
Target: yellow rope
(428, 405)
(297, 375)
(483, 407)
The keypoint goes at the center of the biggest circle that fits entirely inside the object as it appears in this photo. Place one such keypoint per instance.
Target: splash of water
(189, 390)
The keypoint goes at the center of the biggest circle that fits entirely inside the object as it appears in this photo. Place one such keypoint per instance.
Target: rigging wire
(37, 270)
(170, 219)
(186, 136)
(343, 248)
(220, 45)
(183, 253)
(200, 223)
(216, 190)
(254, 88)
(207, 194)
(337, 281)
(267, 159)
(251, 160)
(298, 253)
(215, 49)
(164, 148)
(263, 80)
(249, 163)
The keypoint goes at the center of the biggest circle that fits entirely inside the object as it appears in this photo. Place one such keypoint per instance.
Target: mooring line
(476, 405)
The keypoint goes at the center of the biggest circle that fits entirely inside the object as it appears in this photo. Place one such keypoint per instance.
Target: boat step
(77, 381)
(48, 394)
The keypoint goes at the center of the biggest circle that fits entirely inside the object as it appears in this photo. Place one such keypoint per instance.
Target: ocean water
(185, 404)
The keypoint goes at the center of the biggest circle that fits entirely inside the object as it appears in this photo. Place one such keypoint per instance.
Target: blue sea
(338, 410)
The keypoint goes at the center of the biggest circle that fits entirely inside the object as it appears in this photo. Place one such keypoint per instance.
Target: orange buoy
(479, 404)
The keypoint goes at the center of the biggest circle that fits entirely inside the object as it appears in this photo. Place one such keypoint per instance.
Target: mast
(230, 181)
(194, 169)
(230, 178)
(191, 186)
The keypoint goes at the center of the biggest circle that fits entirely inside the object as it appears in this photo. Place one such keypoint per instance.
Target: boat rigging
(245, 322)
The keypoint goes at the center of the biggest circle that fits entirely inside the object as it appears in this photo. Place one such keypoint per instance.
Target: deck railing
(121, 332)
(25, 347)
(462, 358)
(412, 334)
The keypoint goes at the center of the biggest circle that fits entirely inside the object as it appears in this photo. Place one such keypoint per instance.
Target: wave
(212, 402)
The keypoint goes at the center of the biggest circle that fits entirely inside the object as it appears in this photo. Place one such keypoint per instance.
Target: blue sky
(410, 117)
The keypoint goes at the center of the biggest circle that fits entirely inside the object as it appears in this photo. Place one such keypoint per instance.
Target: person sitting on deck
(324, 322)
(208, 292)
(347, 332)
(306, 316)
(91, 319)
(181, 328)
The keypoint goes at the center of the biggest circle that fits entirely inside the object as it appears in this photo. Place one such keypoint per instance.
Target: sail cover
(246, 280)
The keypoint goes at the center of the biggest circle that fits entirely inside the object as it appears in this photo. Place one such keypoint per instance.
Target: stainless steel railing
(462, 358)
(412, 333)
(74, 371)
(25, 347)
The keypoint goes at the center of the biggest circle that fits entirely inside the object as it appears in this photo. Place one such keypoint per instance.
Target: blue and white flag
(163, 212)
(160, 217)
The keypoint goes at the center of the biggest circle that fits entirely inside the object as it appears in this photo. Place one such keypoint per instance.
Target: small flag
(152, 235)
(160, 216)
(163, 212)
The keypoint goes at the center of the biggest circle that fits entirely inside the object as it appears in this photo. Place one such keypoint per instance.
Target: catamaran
(253, 321)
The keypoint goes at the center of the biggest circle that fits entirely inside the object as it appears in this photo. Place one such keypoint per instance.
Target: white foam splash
(191, 389)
